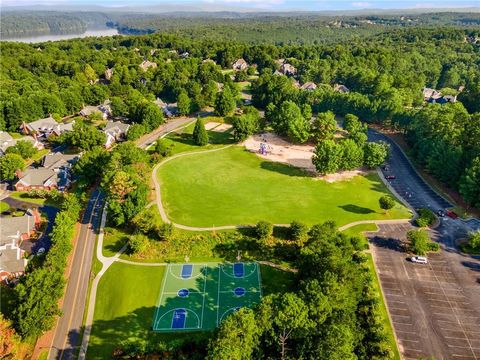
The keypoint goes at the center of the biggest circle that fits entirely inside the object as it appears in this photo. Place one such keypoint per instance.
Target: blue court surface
(201, 296)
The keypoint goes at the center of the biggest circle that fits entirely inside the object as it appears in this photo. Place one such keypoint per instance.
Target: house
(240, 64)
(185, 55)
(5, 142)
(164, 106)
(115, 131)
(431, 95)
(287, 69)
(46, 127)
(108, 74)
(445, 99)
(340, 88)
(309, 86)
(58, 161)
(34, 141)
(145, 65)
(103, 109)
(13, 231)
(42, 179)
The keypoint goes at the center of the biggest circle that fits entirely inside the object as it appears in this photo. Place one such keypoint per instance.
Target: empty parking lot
(434, 308)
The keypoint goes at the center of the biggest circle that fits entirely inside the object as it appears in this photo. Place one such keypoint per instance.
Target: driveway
(434, 308)
(49, 211)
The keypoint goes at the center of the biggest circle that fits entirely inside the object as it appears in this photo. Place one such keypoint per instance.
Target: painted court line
(204, 290)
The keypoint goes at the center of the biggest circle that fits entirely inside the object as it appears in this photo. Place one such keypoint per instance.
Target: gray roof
(11, 260)
(39, 177)
(116, 128)
(58, 160)
(43, 124)
(5, 141)
(14, 226)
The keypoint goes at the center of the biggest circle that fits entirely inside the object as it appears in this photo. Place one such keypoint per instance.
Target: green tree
(166, 231)
(209, 92)
(225, 103)
(299, 232)
(352, 155)
(236, 338)
(264, 231)
(386, 202)
(200, 135)
(244, 126)
(9, 164)
(375, 154)
(151, 117)
(162, 148)
(325, 126)
(183, 103)
(418, 241)
(137, 244)
(353, 125)
(135, 132)
(289, 120)
(327, 157)
(23, 148)
(474, 239)
(470, 183)
(84, 137)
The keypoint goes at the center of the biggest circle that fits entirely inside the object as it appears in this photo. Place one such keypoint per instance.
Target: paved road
(172, 124)
(67, 337)
(408, 183)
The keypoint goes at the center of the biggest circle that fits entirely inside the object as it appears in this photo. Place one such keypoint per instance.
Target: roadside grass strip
(200, 296)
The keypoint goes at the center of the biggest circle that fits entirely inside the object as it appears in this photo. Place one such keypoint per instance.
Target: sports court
(198, 296)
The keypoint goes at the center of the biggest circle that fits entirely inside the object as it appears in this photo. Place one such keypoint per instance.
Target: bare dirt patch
(211, 125)
(280, 150)
(222, 128)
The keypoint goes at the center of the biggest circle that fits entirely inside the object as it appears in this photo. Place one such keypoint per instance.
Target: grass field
(199, 296)
(4, 206)
(233, 186)
(23, 196)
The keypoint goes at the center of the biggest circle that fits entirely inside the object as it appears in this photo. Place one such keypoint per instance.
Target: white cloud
(362, 4)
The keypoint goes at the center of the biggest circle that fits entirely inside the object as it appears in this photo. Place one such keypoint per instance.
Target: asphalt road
(67, 336)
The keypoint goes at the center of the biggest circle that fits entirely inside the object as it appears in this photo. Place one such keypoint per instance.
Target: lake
(56, 37)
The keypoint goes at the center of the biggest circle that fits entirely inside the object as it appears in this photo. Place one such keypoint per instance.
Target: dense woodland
(333, 314)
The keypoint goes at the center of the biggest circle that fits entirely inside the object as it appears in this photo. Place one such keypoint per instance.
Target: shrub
(166, 231)
(433, 246)
(419, 242)
(263, 230)
(162, 149)
(137, 243)
(386, 202)
(474, 240)
(425, 218)
(299, 232)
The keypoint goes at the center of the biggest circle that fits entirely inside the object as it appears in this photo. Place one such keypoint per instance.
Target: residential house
(115, 131)
(288, 69)
(185, 55)
(103, 109)
(108, 73)
(42, 179)
(341, 88)
(46, 127)
(431, 95)
(5, 142)
(145, 65)
(240, 64)
(164, 106)
(309, 86)
(13, 231)
(59, 161)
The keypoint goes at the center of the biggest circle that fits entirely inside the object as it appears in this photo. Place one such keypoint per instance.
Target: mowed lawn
(233, 186)
(124, 308)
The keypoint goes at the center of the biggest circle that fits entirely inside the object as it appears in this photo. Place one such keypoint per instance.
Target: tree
(209, 92)
(375, 153)
(386, 202)
(120, 185)
(418, 241)
(353, 125)
(352, 155)
(299, 232)
(135, 132)
(183, 103)
(327, 157)
(288, 119)
(237, 337)
(10, 342)
(166, 231)
(137, 243)
(84, 137)
(241, 76)
(151, 116)
(264, 230)
(23, 148)
(162, 149)
(325, 126)
(200, 135)
(470, 184)
(474, 239)
(225, 102)
(244, 126)
(9, 164)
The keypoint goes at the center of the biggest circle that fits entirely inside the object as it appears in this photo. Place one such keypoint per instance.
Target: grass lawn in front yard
(233, 186)
(23, 196)
(4, 206)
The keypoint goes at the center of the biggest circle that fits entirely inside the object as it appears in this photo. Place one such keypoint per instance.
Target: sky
(279, 5)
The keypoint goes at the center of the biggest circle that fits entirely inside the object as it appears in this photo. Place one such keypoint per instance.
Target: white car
(419, 259)
(41, 251)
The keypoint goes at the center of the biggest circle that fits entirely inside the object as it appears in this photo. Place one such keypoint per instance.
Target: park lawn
(124, 308)
(233, 186)
(4, 206)
(383, 309)
(358, 230)
(181, 140)
(113, 241)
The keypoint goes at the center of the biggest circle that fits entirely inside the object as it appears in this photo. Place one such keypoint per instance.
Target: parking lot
(434, 308)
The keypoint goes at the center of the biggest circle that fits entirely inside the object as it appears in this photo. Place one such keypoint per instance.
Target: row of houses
(436, 97)
(13, 232)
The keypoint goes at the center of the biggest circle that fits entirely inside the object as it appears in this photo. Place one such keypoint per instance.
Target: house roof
(340, 88)
(58, 160)
(288, 68)
(39, 177)
(147, 64)
(116, 127)
(12, 227)
(309, 86)
(47, 124)
(12, 261)
(5, 141)
(90, 109)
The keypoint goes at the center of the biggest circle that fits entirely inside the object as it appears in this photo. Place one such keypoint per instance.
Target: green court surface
(199, 296)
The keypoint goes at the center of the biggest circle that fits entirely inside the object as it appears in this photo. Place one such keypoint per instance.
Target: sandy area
(300, 156)
(222, 128)
(211, 124)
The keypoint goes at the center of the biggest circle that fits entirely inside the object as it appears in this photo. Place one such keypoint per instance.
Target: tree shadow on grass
(356, 209)
(284, 169)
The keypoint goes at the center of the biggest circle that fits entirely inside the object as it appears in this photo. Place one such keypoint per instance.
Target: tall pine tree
(200, 135)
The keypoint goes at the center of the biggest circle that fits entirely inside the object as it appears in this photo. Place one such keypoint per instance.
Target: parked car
(441, 213)
(419, 259)
(390, 177)
(452, 214)
(41, 251)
